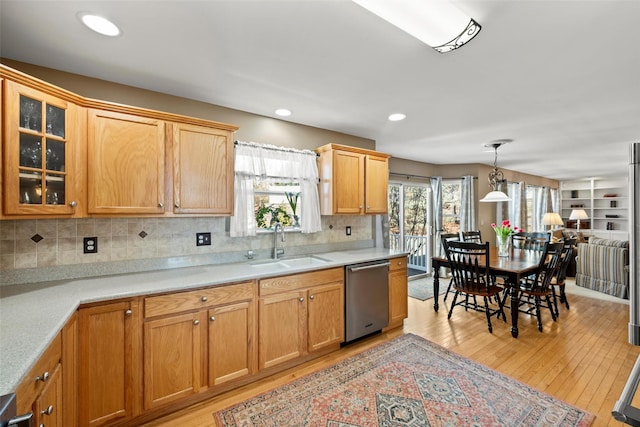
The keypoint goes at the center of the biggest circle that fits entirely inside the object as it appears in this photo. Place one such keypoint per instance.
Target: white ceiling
(558, 77)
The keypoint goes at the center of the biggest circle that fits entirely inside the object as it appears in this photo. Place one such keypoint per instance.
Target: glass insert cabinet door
(38, 152)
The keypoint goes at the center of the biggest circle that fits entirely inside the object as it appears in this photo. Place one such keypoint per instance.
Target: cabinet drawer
(33, 383)
(300, 281)
(193, 300)
(398, 263)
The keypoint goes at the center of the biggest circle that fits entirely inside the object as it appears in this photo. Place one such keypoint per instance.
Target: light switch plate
(203, 239)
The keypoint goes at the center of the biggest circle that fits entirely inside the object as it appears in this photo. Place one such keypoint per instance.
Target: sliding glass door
(410, 224)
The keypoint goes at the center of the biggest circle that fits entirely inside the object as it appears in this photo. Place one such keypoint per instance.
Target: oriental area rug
(407, 381)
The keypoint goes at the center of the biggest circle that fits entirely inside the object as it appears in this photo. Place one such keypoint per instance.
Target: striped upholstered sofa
(603, 265)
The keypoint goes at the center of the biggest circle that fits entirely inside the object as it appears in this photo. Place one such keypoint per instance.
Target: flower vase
(503, 245)
(296, 221)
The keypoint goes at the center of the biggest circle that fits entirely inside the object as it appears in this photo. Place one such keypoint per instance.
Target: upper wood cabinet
(353, 181)
(125, 163)
(202, 170)
(40, 147)
(68, 156)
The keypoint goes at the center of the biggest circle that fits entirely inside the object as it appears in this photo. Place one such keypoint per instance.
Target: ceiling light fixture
(496, 176)
(100, 24)
(396, 117)
(439, 24)
(283, 112)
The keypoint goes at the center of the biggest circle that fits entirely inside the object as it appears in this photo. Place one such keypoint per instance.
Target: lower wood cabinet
(47, 408)
(110, 375)
(398, 292)
(300, 314)
(196, 340)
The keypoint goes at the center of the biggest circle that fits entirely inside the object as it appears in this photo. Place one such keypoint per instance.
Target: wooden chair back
(468, 261)
(547, 269)
(472, 236)
(530, 241)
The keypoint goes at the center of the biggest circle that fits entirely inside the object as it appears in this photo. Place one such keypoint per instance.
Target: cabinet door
(48, 407)
(203, 170)
(125, 158)
(376, 184)
(348, 182)
(282, 323)
(326, 316)
(232, 346)
(398, 292)
(172, 361)
(110, 372)
(39, 142)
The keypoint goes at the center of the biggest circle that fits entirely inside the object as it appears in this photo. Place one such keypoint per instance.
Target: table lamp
(552, 219)
(578, 214)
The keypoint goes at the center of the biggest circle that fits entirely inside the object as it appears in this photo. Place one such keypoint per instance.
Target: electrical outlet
(348, 230)
(203, 239)
(90, 245)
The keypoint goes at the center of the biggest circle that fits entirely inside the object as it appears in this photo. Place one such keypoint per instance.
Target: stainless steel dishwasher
(366, 298)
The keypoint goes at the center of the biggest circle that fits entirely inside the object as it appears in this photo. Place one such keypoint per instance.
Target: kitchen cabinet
(398, 292)
(300, 314)
(353, 181)
(110, 374)
(40, 147)
(202, 170)
(189, 334)
(125, 163)
(41, 389)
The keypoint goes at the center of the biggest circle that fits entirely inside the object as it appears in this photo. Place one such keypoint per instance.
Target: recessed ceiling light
(100, 24)
(283, 112)
(396, 117)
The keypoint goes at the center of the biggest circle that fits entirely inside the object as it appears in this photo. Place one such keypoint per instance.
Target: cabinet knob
(196, 322)
(360, 206)
(177, 205)
(204, 299)
(312, 297)
(213, 318)
(161, 205)
(301, 299)
(73, 203)
(128, 312)
(47, 411)
(44, 377)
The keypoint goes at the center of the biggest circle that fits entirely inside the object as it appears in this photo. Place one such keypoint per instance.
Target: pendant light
(496, 176)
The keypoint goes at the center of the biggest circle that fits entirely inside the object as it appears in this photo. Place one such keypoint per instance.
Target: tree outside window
(451, 196)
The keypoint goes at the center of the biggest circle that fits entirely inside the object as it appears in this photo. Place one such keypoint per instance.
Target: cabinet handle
(44, 377)
(204, 299)
(73, 203)
(311, 297)
(301, 299)
(47, 411)
(128, 312)
(213, 318)
(196, 322)
(161, 205)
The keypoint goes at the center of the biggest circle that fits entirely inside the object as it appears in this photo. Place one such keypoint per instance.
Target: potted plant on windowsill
(292, 198)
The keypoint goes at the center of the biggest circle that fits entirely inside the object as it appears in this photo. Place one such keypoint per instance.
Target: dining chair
(536, 290)
(472, 236)
(471, 277)
(558, 281)
(446, 237)
(529, 240)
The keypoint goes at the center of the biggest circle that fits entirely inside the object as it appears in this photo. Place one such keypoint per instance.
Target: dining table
(519, 264)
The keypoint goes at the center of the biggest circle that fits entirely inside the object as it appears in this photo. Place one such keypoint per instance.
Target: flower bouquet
(503, 236)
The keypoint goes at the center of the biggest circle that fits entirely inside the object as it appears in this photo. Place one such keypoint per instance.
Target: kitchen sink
(302, 261)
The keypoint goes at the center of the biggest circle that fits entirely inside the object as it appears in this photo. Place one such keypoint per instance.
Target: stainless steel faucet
(277, 252)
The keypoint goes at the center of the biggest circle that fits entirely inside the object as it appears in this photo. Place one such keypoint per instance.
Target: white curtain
(467, 209)
(261, 161)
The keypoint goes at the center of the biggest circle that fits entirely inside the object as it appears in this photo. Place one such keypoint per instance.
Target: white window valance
(254, 162)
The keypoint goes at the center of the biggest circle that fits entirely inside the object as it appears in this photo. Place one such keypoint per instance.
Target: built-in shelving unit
(606, 202)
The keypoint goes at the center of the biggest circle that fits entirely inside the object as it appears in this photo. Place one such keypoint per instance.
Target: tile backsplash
(50, 244)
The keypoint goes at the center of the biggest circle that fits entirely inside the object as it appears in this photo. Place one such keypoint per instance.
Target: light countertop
(31, 315)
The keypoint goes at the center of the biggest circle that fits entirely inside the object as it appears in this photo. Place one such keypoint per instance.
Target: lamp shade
(552, 218)
(578, 214)
(495, 196)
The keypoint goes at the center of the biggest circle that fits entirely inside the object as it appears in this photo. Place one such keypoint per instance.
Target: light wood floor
(583, 359)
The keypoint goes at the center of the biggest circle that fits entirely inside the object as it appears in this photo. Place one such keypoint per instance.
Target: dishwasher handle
(368, 267)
